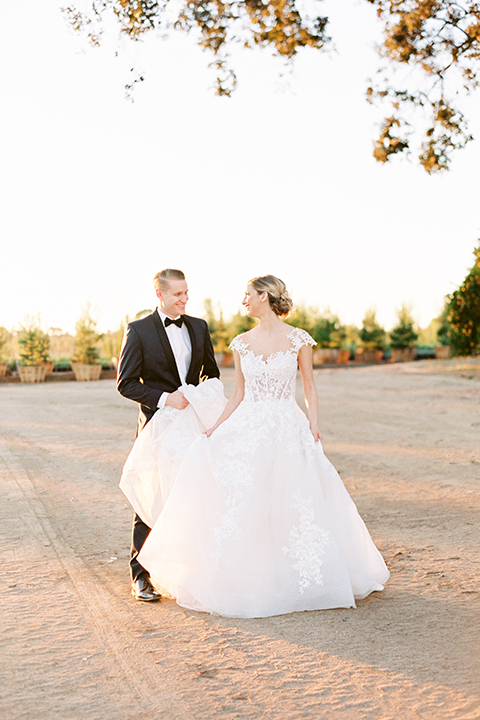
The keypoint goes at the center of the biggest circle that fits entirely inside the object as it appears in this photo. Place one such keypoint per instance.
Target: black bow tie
(178, 322)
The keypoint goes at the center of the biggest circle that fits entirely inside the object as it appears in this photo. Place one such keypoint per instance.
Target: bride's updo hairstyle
(278, 297)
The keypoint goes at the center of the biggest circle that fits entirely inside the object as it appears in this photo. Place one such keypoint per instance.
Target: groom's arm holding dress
(147, 368)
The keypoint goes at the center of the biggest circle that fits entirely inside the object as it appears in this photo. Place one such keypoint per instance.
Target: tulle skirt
(251, 522)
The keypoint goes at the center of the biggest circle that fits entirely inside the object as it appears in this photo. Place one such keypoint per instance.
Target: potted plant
(372, 338)
(34, 345)
(85, 363)
(4, 340)
(403, 336)
(329, 335)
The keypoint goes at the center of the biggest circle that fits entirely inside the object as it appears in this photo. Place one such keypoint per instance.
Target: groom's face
(174, 298)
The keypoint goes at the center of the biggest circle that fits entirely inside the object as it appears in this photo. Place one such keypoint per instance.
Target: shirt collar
(163, 316)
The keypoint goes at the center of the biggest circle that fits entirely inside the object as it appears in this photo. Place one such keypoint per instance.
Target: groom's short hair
(160, 281)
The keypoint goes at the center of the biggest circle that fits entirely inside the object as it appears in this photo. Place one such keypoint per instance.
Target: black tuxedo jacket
(147, 367)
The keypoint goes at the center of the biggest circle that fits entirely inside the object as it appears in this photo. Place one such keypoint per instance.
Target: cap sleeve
(239, 345)
(299, 338)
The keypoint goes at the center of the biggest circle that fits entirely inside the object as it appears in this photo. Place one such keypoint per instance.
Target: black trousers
(140, 532)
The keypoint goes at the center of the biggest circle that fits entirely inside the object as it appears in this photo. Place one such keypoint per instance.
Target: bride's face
(252, 301)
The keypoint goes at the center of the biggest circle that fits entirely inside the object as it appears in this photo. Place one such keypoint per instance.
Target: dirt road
(75, 645)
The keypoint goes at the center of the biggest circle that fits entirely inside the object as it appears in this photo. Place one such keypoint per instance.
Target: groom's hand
(176, 400)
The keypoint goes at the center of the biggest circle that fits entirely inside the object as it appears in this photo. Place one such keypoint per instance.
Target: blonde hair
(278, 297)
(160, 281)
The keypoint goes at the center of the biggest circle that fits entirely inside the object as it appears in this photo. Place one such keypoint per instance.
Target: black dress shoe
(142, 590)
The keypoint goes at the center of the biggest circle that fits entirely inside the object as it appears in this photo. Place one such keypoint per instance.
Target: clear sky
(98, 193)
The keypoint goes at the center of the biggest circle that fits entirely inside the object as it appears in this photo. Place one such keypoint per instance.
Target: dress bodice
(274, 377)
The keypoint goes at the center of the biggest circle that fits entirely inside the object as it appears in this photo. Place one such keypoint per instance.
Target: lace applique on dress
(307, 545)
(239, 345)
(274, 419)
(297, 336)
(273, 377)
(300, 338)
(168, 413)
(239, 440)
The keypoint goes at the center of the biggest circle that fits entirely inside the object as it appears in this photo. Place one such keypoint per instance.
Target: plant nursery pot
(49, 365)
(404, 354)
(343, 356)
(227, 360)
(442, 352)
(3, 369)
(86, 372)
(32, 373)
(368, 355)
(325, 355)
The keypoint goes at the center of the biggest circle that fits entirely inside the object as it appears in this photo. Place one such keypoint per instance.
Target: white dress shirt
(179, 339)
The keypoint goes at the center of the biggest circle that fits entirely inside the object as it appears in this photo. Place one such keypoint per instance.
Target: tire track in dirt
(216, 667)
(101, 654)
(102, 611)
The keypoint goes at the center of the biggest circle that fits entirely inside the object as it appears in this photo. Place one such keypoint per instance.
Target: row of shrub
(327, 330)
(458, 326)
(32, 345)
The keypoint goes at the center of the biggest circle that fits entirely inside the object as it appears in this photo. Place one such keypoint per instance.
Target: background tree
(371, 334)
(323, 325)
(140, 314)
(352, 336)
(443, 330)
(86, 339)
(281, 25)
(327, 330)
(34, 343)
(5, 338)
(111, 341)
(464, 312)
(437, 44)
(303, 317)
(216, 327)
(403, 335)
(431, 47)
(239, 323)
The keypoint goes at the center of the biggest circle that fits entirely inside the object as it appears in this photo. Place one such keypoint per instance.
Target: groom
(161, 352)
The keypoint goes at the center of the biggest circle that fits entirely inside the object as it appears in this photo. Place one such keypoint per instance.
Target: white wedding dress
(253, 521)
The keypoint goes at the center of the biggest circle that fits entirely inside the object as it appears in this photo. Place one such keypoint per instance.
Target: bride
(248, 517)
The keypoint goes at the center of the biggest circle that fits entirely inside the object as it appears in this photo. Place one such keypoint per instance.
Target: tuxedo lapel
(194, 342)
(167, 348)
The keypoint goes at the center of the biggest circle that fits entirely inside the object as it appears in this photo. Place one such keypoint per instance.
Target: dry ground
(76, 646)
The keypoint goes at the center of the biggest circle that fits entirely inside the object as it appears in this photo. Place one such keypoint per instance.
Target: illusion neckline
(268, 357)
(290, 351)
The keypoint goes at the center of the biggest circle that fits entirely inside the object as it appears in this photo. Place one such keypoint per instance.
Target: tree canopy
(86, 338)
(403, 335)
(372, 335)
(463, 307)
(34, 343)
(437, 44)
(431, 47)
(5, 337)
